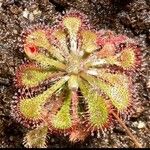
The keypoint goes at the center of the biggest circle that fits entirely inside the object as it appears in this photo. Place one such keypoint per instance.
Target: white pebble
(25, 13)
(141, 125)
(135, 124)
(37, 12)
(31, 17)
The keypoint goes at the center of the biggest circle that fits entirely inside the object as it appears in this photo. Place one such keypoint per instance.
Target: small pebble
(37, 12)
(141, 125)
(15, 31)
(25, 13)
(135, 124)
(11, 138)
(148, 83)
(31, 17)
(52, 140)
(1, 4)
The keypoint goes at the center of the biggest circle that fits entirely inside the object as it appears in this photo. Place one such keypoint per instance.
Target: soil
(130, 17)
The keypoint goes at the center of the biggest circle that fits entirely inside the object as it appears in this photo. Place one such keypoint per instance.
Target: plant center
(74, 65)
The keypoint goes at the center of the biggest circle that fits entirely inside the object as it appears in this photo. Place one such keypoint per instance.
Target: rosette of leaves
(76, 79)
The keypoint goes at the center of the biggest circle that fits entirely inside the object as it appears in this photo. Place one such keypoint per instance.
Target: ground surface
(130, 17)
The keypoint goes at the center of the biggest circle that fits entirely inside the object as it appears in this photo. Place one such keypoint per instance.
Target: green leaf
(31, 108)
(96, 105)
(118, 92)
(32, 76)
(48, 62)
(62, 120)
(40, 38)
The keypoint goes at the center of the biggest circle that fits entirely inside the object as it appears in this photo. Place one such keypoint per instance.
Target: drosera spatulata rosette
(76, 81)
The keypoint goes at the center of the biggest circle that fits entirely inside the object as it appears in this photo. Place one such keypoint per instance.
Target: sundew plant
(77, 80)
